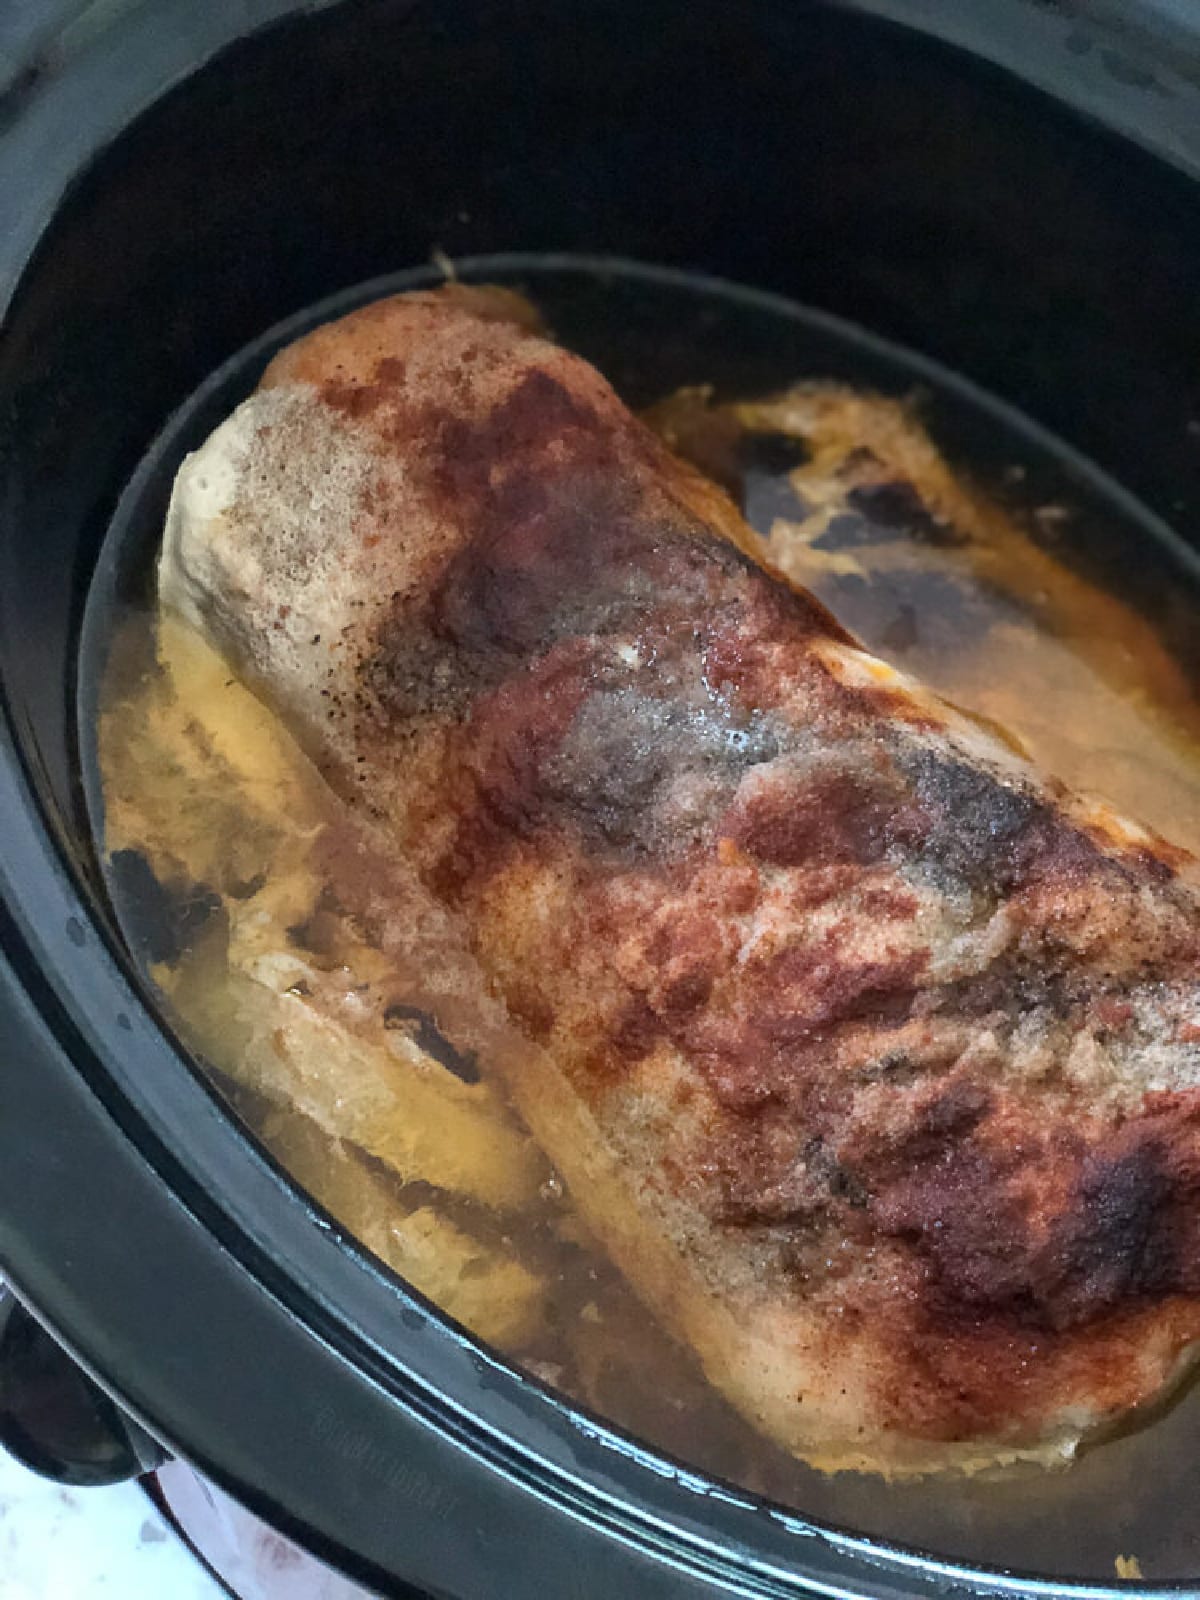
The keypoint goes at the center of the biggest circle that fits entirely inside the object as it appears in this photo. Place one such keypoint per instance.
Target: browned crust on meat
(907, 1037)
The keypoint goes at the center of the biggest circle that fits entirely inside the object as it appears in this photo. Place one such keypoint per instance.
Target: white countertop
(90, 1544)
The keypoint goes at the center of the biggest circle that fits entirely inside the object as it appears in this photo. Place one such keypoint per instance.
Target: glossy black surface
(791, 146)
(55, 1419)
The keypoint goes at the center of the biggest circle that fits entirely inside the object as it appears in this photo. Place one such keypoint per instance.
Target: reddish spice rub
(891, 1043)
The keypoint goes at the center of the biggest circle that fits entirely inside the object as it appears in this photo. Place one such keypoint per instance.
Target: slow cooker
(1008, 187)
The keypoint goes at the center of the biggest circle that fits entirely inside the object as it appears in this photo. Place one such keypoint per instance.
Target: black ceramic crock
(1009, 186)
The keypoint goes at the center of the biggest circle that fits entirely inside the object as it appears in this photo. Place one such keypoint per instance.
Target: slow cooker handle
(54, 1419)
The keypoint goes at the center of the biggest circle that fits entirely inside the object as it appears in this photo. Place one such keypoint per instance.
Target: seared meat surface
(871, 1056)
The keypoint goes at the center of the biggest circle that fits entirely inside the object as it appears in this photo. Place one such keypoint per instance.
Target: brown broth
(323, 1039)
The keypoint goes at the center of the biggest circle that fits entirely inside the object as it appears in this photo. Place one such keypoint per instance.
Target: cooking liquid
(349, 1064)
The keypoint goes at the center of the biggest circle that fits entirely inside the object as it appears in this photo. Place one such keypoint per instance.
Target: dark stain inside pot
(977, 582)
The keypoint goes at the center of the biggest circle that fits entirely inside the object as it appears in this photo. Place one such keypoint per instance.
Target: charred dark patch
(637, 771)
(549, 561)
(409, 673)
(1134, 1231)
(1051, 850)
(822, 1164)
(893, 1066)
(515, 734)
(1126, 1232)
(1014, 987)
(961, 1212)
(560, 543)
(978, 829)
(1111, 1245)
(557, 544)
